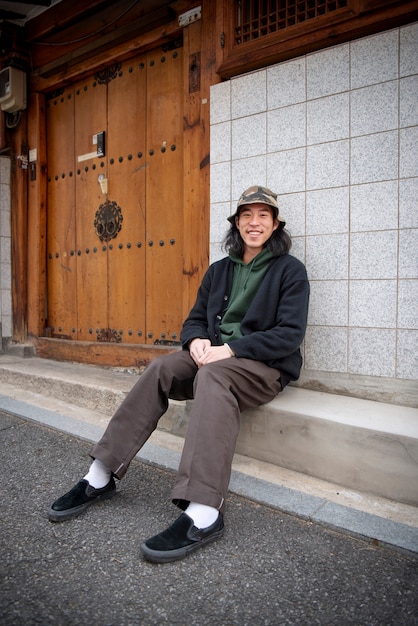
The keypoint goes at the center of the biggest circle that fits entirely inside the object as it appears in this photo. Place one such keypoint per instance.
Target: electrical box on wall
(12, 89)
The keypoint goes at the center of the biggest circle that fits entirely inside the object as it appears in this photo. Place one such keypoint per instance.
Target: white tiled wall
(5, 248)
(335, 134)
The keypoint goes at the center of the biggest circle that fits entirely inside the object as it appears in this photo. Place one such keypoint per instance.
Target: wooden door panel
(61, 264)
(90, 119)
(126, 287)
(126, 187)
(164, 185)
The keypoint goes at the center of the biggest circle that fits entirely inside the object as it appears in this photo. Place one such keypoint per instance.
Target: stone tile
(327, 211)
(220, 142)
(327, 257)
(6, 326)
(326, 349)
(220, 102)
(292, 209)
(4, 198)
(372, 352)
(246, 173)
(298, 248)
(6, 276)
(215, 252)
(249, 94)
(6, 303)
(374, 109)
(408, 253)
(327, 165)
(374, 206)
(5, 250)
(408, 39)
(328, 119)
(249, 136)
(373, 303)
(407, 304)
(374, 59)
(5, 170)
(328, 71)
(286, 128)
(374, 158)
(408, 92)
(219, 225)
(374, 255)
(328, 304)
(220, 182)
(407, 355)
(312, 184)
(286, 171)
(5, 226)
(408, 210)
(286, 83)
(408, 161)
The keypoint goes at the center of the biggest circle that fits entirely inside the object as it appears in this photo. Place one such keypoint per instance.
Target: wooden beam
(111, 39)
(64, 15)
(121, 52)
(74, 19)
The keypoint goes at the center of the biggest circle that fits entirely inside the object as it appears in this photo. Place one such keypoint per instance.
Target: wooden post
(37, 202)
(19, 229)
(199, 48)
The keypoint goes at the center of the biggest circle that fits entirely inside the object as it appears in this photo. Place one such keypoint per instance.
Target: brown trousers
(221, 391)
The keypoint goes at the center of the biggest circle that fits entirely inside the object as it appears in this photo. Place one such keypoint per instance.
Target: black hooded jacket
(274, 325)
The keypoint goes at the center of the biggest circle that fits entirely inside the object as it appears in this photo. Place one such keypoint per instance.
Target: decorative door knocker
(108, 221)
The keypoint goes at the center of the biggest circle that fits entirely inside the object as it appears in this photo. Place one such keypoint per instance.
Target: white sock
(201, 514)
(98, 475)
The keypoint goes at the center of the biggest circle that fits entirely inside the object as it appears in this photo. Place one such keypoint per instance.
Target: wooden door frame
(198, 43)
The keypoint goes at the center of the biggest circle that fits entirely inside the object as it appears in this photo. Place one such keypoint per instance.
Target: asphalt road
(268, 569)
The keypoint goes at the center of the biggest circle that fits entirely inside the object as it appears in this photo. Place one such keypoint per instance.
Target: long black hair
(279, 243)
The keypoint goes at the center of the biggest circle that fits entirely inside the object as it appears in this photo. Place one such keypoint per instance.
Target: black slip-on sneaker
(179, 539)
(78, 499)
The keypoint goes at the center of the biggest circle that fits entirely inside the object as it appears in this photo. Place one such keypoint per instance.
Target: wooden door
(90, 115)
(61, 217)
(115, 268)
(164, 184)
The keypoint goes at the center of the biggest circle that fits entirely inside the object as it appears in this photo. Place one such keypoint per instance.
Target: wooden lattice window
(258, 18)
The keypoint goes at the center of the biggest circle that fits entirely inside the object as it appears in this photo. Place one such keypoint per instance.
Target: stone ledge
(377, 388)
(359, 444)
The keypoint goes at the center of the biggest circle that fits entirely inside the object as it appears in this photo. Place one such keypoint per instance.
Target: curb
(366, 526)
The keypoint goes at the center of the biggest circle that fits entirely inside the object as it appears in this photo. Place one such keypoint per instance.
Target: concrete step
(80, 399)
(358, 444)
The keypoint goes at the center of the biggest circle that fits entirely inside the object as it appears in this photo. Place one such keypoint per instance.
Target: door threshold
(95, 353)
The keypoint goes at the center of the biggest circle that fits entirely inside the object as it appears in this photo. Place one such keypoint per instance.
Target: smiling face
(256, 224)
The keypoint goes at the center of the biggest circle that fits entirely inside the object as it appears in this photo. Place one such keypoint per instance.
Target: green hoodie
(247, 279)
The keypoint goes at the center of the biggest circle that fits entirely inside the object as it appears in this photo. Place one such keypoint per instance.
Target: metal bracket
(194, 72)
(190, 16)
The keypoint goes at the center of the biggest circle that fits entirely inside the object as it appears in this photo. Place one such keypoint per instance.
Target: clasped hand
(202, 352)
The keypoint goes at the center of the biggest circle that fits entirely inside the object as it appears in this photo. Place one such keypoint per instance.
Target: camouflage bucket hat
(255, 195)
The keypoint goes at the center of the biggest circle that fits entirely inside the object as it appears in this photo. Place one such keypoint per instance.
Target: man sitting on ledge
(241, 347)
